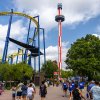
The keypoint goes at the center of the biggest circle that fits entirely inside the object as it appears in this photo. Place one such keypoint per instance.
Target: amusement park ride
(59, 18)
(30, 44)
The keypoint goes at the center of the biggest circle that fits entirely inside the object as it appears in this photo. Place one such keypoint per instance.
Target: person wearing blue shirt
(24, 90)
(81, 85)
(70, 88)
(89, 88)
(73, 85)
(65, 87)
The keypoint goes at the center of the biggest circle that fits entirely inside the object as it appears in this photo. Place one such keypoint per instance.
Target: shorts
(65, 89)
(30, 96)
(19, 93)
(77, 99)
(13, 95)
(43, 95)
(24, 93)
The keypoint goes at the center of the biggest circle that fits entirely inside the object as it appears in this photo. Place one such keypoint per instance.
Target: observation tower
(59, 18)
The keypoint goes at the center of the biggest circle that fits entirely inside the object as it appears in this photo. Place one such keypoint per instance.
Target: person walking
(70, 87)
(33, 85)
(81, 85)
(95, 90)
(24, 90)
(76, 94)
(30, 92)
(1, 88)
(19, 91)
(65, 87)
(43, 91)
(13, 92)
(89, 94)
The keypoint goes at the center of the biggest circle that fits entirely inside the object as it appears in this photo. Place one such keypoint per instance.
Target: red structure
(59, 18)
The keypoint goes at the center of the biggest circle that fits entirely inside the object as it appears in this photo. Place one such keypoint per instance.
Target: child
(30, 92)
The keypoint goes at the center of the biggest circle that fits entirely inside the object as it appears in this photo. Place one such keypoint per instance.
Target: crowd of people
(24, 91)
(76, 90)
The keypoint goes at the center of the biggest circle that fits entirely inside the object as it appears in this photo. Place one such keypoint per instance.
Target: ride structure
(30, 42)
(59, 18)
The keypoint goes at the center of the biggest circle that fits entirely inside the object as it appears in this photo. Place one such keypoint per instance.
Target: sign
(55, 73)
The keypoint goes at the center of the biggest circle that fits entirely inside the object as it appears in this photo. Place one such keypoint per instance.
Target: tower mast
(59, 18)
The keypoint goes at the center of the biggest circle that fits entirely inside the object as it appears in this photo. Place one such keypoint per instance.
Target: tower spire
(59, 18)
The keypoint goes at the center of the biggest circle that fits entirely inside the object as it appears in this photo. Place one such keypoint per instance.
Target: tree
(49, 68)
(5, 71)
(15, 72)
(23, 71)
(66, 74)
(84, 56)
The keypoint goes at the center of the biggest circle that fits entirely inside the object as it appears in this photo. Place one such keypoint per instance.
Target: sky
(81, 17)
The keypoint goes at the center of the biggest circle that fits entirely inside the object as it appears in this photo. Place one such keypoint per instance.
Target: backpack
(24, 90)
(76, 94)
(43, 89)
(65, 86)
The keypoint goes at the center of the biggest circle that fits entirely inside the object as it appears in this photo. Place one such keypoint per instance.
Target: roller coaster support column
(35, 58)
(29, 61)
(17, 56)
(34, 44)
(11, 62)
(44, 44)
(39, 41)
(38, 28)
(7, 40)
(26, 51)
(22, 55)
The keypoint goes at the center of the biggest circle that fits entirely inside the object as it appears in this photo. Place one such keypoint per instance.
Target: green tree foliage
(84, 56)
(15, 72)
(49, 68)
(66, 74)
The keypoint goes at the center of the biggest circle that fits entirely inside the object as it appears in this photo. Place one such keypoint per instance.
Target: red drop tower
(59, 18)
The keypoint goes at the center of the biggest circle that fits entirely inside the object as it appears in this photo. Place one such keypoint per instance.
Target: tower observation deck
(59, 18)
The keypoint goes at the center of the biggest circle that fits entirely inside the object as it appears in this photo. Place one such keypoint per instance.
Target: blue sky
(81, 17)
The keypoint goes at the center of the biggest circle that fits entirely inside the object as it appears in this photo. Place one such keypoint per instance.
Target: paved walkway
(54, 93)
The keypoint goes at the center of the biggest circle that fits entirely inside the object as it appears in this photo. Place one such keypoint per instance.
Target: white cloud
(75, 11)
(17, 29)
(64, 44)
(52, 53)
(97, 31)
(97, 35)
(17, 32)
(98, 28)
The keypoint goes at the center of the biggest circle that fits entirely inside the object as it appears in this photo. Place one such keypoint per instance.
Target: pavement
(53, 93)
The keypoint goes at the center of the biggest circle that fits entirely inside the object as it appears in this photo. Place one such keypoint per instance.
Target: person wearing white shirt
(30, 92)
(95, 90)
